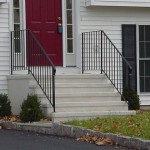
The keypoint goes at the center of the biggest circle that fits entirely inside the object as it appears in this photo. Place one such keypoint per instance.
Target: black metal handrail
(99, 53)
(28, 54)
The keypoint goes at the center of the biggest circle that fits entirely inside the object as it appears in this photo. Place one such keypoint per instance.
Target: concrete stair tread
(82, 104)
(78, 76)
(89, 85)
(83, 94)
(78, 85)
(92, 113)
(93, 94)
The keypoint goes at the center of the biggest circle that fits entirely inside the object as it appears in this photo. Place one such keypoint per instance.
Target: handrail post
(129, 87)
(82, 55)
(101, 52)
(27, 51)
(53, 88)
(11, 53)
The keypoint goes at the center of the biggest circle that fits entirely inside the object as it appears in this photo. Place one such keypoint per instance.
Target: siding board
(4, 47)
(128, 3)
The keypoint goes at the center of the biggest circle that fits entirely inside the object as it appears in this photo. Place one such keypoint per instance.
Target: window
(144, 57)
(16, 12)
(69, 25)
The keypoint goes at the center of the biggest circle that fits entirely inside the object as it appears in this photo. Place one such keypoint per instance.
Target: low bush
(31, 109)
(5, 107)
(133, 100)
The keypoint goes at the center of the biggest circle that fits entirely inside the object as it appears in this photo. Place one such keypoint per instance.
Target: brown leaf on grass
(96, 128)
(114, 125)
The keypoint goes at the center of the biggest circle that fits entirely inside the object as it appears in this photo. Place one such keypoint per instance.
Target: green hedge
(133, 100)
(5, 107)
(31, 109)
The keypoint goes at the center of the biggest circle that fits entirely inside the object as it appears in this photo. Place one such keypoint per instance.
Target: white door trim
(64, 44)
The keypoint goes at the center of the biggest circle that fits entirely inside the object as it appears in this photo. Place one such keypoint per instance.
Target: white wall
(4, 47)
(110, 20)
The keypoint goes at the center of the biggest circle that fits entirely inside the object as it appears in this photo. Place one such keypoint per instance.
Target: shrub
(134, 102)
(5, 108)
(31, 109)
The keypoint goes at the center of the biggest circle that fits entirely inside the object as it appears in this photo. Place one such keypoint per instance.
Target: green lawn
(134, 126)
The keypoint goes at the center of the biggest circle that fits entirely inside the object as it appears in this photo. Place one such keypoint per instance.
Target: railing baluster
(12, 64)
(114, 66)
(106, 54)
(104, 51)
(83, 53)
(96, 50)
(101, 52)
(109, 60)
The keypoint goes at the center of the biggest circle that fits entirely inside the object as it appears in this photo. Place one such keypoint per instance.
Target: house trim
(124, 3)
(3, 1)
(64, 46)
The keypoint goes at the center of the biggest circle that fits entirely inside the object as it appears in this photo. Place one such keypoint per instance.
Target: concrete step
(84, 97)
(91, 106)
(83, 87)
(76, 88)
(66, 116)
(81, 79)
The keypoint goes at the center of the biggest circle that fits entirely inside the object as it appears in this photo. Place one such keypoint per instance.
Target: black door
(129, 52)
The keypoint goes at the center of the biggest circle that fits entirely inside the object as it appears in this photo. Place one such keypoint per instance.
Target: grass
(134, 126)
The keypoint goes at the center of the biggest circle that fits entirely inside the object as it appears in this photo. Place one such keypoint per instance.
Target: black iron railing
(99, 53)
(28, 54)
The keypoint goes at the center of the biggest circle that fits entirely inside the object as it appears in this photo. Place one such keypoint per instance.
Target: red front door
(43, 17)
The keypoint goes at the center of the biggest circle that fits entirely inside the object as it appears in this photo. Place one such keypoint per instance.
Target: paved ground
(18, 140)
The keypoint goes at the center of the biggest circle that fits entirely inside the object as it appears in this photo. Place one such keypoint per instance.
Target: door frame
(64, 42)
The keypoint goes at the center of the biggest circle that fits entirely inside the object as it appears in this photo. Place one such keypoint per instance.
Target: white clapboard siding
(129, 3)
(3, 1)
(4, 47)
(110, 19)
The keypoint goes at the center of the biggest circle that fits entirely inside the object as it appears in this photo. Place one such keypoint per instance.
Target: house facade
(58, 25)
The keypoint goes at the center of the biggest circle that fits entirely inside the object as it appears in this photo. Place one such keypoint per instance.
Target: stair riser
(103, 80)
(85, 99)
(77, 90)
(88, 99)
(57, 117)
(91, 108)
(75, 79)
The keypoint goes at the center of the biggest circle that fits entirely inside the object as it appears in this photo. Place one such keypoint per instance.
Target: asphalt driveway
(18, 140)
